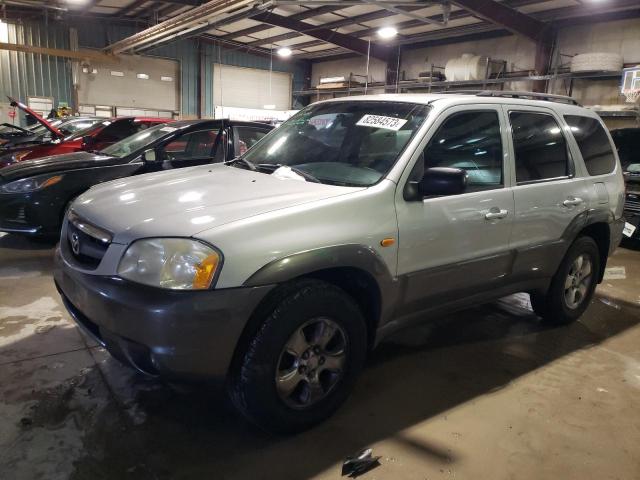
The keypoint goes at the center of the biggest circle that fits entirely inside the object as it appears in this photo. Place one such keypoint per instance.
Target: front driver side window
(469, 141)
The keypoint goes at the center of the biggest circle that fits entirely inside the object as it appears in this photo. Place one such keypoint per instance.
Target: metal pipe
(185, 22)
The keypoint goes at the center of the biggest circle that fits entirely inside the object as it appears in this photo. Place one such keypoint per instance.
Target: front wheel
(303, 361)
(572, 286)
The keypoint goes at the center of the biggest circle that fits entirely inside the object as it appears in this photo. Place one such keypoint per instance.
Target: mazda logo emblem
(75, 243)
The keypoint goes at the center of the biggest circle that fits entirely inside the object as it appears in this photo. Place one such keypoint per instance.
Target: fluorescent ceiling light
(284, 51)
(142, 76)
(387, 32)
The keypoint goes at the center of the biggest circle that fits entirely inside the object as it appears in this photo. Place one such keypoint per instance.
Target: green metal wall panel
(29, 74)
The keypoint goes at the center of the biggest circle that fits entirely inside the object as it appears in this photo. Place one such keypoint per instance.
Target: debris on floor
(615, 273)
(358, 464)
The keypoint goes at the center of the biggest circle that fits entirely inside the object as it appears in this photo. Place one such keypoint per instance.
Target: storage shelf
(444, 85)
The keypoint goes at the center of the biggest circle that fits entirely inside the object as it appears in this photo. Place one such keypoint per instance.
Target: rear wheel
(303, 361)
(572, 286)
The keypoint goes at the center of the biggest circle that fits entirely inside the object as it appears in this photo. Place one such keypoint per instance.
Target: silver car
(277, 272)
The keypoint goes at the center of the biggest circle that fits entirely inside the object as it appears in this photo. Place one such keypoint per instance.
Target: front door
(452, 246)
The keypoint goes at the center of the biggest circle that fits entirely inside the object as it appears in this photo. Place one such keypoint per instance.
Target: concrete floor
(488, 393)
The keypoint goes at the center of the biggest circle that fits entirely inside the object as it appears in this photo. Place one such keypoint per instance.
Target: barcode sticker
(379, 121)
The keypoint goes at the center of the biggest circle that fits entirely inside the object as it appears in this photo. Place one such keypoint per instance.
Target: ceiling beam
(58, 52)
(313, 12)
(403, 11)
(458, 14)
(506, 17)
(129, 8)
(326, 35)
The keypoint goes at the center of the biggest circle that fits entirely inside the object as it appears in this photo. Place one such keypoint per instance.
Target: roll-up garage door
(136, 83)
(249, 88)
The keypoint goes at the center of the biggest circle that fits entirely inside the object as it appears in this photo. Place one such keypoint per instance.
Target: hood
(57, 163)
(47, 125)
(188, 201)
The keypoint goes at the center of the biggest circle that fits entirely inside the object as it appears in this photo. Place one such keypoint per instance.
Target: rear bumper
(178, 334)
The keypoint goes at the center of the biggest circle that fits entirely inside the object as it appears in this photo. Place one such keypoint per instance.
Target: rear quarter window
(593, 143)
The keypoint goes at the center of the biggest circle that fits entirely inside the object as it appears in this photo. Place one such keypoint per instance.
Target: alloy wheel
(311, 363)
(578, 281)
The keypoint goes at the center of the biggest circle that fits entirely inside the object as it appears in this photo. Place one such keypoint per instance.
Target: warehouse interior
(487, 391)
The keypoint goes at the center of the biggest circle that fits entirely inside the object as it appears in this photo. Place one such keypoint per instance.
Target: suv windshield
(139, 140)
(341, 143)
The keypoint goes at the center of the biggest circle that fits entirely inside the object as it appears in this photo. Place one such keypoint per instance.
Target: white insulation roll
(598, 61)
(466, 67)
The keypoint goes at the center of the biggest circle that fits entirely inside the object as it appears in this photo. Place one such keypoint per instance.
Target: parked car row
(36, 193)
(280, 259)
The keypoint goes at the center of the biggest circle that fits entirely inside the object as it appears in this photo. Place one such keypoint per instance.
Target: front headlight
(32, 184)
(174, 263)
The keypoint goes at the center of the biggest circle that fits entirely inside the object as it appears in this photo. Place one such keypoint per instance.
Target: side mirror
(87, 140)
(437, 181)
(149, 155)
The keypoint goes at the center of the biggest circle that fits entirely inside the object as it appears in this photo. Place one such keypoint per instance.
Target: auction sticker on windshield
(379, 121)
(168, 129)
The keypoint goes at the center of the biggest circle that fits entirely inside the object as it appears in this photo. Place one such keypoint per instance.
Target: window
(246, 137)
(593, 143)
(540, 147)
(470, 141)
(191, 146)
(117, 131)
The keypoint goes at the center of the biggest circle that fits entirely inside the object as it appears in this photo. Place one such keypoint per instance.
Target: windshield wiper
(274, 166)
(242, 160)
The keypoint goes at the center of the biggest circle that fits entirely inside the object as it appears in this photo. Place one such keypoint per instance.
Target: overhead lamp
(387, 32)
(284, 52)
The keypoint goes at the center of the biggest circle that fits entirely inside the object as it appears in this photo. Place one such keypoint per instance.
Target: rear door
(550, 199)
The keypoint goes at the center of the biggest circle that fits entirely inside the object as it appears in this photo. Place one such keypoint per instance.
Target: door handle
(572, 202)
(496, 214)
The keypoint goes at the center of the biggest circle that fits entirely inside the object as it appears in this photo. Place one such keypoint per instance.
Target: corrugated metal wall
(49, 76)
(28, 74)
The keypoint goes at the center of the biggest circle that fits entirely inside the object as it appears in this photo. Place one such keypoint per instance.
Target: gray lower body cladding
(180, 334)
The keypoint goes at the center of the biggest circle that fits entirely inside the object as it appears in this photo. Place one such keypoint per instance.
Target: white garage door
(136, 82)
(249, 88)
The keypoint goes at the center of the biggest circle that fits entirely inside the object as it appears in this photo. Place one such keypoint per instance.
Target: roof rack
(511, 94)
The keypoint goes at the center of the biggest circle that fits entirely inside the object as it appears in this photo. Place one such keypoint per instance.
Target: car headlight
(32, 184)
(173, 263)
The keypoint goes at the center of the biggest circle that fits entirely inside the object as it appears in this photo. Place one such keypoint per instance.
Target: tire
(555, 305)
(306, 307)
(598, 61)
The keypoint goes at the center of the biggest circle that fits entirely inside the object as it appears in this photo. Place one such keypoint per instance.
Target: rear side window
(540, 147)
(593, 143)
(469, 141)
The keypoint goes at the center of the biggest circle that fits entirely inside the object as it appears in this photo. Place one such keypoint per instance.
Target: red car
(94, 138)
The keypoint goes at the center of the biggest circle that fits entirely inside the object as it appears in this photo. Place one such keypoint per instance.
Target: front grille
(87, 243)
(632, 202)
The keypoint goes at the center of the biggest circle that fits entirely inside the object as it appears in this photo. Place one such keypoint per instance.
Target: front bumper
(178, 334)
(29, 214)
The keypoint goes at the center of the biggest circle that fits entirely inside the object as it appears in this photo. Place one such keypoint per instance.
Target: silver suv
(280, 270)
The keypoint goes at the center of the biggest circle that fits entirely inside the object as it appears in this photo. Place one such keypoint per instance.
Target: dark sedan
(34, 194)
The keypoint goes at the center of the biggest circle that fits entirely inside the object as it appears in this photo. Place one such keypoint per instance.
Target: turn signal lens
(387, 242)
(205, 271)
(51, 181)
